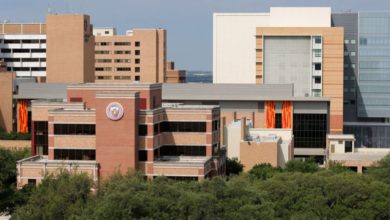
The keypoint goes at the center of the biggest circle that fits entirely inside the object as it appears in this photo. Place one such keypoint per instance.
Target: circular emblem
(114, 111)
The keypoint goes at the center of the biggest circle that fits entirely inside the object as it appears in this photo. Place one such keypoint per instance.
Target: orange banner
(286, 114)
(270, 114)
(23, 116)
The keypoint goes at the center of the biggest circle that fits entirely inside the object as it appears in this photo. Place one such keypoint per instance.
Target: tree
(264, 171)
(9, 196)
(60, 197)
(307, 166)
(381, 170)
(233, 166)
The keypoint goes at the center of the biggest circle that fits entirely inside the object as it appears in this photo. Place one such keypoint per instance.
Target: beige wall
(252, 153)
(15, 144)
(70, 49)
(6, 88)
(152, 56)
(22, 28)
(332, 64)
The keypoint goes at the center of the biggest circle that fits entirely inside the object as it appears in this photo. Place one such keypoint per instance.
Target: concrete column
(360, 169)
(243, 128)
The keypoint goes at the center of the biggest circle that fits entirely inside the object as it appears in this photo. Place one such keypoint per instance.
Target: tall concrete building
(62, 50)
(366, 76)
(138, 56)
(70, 49)
(283, 47)
(23, 48)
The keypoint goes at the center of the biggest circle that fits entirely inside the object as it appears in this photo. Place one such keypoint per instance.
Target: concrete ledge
(15, 144)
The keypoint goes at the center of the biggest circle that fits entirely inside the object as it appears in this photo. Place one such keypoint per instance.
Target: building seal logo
(114, 111)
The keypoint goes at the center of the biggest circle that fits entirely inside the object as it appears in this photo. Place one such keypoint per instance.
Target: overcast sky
(189, 22)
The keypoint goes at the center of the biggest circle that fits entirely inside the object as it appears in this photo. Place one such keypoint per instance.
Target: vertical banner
(286, 114)
(23, 116)
(270, 114)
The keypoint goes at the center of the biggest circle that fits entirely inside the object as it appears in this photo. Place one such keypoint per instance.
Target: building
(104, 128)
(23, 49)
(366, 80)
(62, 50)
(6, 101)
(138, 56)
(283, 47)
(173, 75)
(253, 146)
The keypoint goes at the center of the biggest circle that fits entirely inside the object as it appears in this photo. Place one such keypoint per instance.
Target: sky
(189, 23)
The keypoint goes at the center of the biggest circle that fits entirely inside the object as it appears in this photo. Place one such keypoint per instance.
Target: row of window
(73, 154)
(115, 52)
(173, 127)
(136, 78)
(30, 41)
(23, 50)
(118, 69)
(28, 69)
(347, 41)
(24, 59)
(74, 129)
(122, 43)
(110, 61)
(351, 53)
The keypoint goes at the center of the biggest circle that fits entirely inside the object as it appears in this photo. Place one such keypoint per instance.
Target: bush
(14, 136)
(264, 171)
(233, 166)
(307, 166)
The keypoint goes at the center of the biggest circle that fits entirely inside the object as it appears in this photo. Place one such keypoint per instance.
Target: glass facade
(310, 130)
(374, 65)
(370, 136)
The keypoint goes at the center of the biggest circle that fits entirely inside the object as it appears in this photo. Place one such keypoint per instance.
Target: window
(137, 61)
(73, 154)
(176, 150)
(352, 102)
(183, 126)
(40, 133)
(102, 52)
(103, 43)
(363, 41)
(123, 69)
(32, 182)
(103, 77)
(353, 65)
(346, 41)
(74, 129)
(122, 77)
(122, 52)
(137, 43)
(42, 41)
(352, 54)
(103, 61)
(142, 130)
(317, 40)
(122, 43)
(317, 66)
(103, 69)
(310, 130)
(38, 50)
(106, 32)
(215, 125)
(156, 129)
(12, 41)
(76, 99)
(122, 61)
(6, 50)
(142, 155)
(137, 52)
(317, 80)
(137, 78)
(353, 41)
(30, 41)
(346, 53)
(21, 51)
(38, 68)
(154, 102)
(317, 53)
(138, 69)
(278, 120)
(346, 65)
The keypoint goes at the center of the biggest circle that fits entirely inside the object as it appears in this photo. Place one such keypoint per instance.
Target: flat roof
(232, 92)
(30, 90)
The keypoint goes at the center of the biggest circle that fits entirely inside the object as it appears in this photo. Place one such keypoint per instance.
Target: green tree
(264, 171)
(9, 196)
(307, 166)
(62, 197)
(381, 170)
(233, 166)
